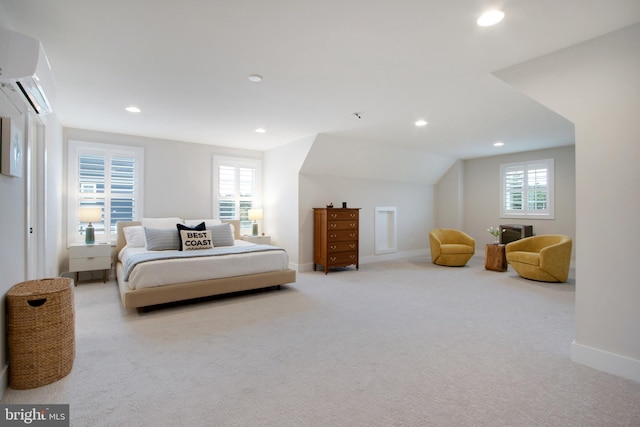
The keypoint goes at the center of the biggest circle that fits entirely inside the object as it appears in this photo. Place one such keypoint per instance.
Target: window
(237, 188)
(527, 189)
(105, 176)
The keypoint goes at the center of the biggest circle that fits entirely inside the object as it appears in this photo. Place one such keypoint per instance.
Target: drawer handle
(352, 235)
(352, 246)
(333, 225)
(332, 235)
(352, 225)
(332, 258)
(333, 247)
(352, 256)
(333, 215)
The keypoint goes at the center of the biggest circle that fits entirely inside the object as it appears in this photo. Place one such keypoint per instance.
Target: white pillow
(134, 236)
(162, 222)
(208, 222)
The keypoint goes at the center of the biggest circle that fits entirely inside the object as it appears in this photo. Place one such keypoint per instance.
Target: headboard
(121, 242)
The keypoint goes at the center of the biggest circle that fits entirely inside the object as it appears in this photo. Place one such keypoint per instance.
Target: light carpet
(398, 343)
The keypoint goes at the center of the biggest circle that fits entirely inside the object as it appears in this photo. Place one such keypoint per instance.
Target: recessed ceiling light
(260, 130)
(133, 109)
(490, 17)
(421, 123)
(498, 144)
(255, 78)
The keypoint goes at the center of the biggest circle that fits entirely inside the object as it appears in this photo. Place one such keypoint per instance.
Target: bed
(171, 279)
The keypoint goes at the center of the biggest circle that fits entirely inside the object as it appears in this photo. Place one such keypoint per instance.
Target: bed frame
(138, 298)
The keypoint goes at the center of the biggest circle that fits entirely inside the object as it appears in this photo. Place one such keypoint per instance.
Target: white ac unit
(24, 65)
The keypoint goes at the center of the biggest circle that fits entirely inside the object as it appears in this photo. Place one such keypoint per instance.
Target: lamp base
(89, 235)
(255, 228)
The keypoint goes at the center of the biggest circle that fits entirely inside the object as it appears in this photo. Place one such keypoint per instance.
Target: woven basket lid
(40, 287)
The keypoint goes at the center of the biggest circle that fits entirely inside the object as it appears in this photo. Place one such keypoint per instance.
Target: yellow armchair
(544, 258)
(451, 247)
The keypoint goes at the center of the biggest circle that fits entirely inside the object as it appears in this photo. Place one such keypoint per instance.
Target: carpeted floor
(399, 343)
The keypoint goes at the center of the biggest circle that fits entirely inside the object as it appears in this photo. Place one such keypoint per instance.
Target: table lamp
(89, 214)
(255, 215)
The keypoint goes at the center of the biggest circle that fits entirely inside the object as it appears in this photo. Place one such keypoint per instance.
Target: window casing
(527, 190)
(106, 176)
(237, 188)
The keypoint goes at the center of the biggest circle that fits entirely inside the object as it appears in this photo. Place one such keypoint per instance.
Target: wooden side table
(495, 257)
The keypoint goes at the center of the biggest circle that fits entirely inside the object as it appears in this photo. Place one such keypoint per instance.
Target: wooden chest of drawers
(335, 237)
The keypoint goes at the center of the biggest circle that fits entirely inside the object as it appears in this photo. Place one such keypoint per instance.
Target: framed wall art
(12, 148)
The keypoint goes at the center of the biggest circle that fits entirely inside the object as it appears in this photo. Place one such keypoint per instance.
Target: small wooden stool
(41, 332)
(495, 257)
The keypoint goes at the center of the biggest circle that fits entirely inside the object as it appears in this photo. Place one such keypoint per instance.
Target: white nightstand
(259, 240)
(83, 257)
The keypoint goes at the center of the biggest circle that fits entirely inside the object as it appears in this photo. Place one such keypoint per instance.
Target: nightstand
(258, 240)
(83, 257)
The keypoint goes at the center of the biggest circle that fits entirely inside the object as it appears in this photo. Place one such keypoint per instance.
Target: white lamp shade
(255, 214)
(91, 214)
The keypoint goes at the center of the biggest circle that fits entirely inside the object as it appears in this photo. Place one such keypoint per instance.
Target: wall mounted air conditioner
(25, 67)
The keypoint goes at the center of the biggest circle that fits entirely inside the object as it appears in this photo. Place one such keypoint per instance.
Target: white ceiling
(185, 64)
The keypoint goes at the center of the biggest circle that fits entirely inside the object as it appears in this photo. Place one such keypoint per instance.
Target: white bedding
(171, 271)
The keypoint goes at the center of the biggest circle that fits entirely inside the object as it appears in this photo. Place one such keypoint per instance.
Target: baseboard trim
(375, 258)
(392, 256)
(605, 361)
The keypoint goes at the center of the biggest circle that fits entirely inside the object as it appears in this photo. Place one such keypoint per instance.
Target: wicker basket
(41, 332)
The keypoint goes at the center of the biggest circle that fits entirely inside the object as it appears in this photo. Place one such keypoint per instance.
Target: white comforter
(171, 271)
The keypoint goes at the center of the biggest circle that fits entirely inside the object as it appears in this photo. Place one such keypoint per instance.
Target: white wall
(336, 156)
(281, 189)
(178, 175)
(596, 85)
(54, 197)
(414, 202)
(449, 195)
(482, 195)
(13, 211)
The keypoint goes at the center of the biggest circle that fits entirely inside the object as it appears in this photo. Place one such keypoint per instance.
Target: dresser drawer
(336, 236)
(333, 247)
(342, 214)
(89, 263)
(342, 259)
(87, 251)
(342, 225)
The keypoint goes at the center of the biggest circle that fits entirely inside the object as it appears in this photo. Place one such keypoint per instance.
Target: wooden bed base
(136, 298)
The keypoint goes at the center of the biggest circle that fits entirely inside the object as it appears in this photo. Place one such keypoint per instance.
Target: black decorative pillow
(181, 227)
(193, 240)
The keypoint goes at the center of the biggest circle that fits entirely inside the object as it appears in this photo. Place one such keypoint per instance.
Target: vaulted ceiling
(186, 65)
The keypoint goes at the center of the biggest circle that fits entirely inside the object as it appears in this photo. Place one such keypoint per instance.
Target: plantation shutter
(514, 188)
(104, 176)
(527, 188)
(236, 191)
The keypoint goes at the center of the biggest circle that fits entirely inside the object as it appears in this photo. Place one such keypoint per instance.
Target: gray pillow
(222, 234)
(162, 239)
